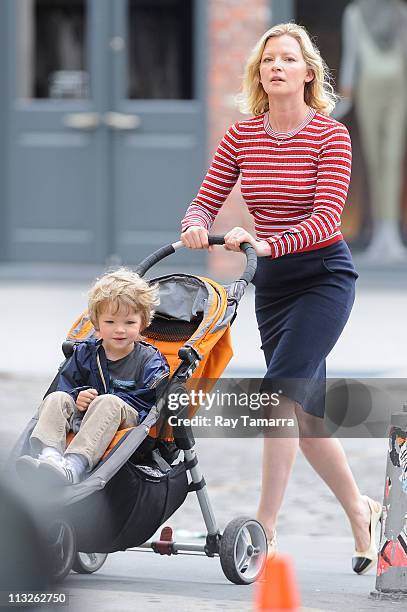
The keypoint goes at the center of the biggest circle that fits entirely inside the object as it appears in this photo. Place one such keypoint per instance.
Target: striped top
(294, 183)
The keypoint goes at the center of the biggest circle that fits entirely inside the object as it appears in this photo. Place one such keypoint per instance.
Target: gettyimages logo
(221, 399)
(359, 408)
(223, 409)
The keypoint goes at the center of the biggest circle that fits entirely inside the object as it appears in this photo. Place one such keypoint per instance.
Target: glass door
(52, 58)
(106, 126)
(58, 187)
(157, 119)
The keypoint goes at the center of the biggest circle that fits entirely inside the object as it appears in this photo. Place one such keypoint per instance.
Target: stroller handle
(169, 249)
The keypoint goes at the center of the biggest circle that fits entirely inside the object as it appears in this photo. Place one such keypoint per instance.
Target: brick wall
(234, 27)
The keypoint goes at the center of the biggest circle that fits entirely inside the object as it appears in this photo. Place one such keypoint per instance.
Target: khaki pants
(104, 416)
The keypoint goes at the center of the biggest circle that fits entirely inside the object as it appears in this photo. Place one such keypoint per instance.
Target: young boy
(109, 383)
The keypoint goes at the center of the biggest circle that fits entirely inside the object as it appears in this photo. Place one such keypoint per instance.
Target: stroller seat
(116, 439)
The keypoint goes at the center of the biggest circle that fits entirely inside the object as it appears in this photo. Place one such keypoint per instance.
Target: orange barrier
(277, 589)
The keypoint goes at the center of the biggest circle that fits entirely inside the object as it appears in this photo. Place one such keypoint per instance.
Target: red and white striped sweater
(294, 184)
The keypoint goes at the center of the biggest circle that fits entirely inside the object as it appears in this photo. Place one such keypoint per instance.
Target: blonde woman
(295, 166)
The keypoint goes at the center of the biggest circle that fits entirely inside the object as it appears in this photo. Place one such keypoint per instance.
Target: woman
(295, 164)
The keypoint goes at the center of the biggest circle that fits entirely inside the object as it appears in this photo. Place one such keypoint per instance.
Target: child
(108, 383)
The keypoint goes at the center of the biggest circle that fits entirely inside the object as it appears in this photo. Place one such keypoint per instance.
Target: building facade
(111, 109)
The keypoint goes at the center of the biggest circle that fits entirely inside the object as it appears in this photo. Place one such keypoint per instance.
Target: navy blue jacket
(87, 369)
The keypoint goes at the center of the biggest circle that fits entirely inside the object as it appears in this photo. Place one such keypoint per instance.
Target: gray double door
(106, 126)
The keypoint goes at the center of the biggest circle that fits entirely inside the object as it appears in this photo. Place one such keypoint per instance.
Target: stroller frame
(185, 441)
(240, 570)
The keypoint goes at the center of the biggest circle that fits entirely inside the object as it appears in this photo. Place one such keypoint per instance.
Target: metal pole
(391, 580)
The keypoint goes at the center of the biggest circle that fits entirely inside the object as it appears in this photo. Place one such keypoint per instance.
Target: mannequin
(373, 76)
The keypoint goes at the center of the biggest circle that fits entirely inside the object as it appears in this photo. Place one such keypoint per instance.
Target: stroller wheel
(87, 563)
(243, 550)
(61, 544)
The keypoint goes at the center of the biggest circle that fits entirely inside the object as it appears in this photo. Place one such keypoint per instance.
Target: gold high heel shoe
(272, 545)
(363, 561)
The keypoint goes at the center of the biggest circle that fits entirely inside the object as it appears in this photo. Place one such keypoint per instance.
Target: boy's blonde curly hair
(122, 288)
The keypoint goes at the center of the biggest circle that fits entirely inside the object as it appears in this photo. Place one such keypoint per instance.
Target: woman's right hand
(196, 237)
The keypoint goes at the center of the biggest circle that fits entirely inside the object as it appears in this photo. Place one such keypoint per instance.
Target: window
(51, 49)
(160, 49)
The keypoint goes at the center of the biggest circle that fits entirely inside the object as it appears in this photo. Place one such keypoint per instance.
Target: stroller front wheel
(61, 544)
(87, 563)
(243, 550)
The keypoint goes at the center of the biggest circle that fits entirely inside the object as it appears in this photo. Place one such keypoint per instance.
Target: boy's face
(119, 331)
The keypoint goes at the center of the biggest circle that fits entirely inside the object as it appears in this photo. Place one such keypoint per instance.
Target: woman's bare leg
(278, 459)
(327, 457)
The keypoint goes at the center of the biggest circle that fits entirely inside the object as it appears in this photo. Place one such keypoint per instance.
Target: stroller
(142, 478)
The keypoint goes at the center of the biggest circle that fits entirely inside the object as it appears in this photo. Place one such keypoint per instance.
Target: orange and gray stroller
(147, 471)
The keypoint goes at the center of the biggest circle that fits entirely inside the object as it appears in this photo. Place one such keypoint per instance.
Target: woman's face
(283, 71)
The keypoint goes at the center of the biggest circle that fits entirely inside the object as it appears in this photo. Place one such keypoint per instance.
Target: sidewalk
(37, 315)
(196, 584)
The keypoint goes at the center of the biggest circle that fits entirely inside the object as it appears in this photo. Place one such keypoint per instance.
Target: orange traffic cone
(278, 590)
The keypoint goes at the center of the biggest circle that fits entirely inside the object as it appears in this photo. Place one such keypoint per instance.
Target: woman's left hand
(237, 235)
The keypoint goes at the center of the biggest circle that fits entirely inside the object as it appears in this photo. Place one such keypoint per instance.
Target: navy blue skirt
(303, 301)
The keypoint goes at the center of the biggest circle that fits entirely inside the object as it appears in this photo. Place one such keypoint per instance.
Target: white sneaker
(49, 451)
(27, 468)
(77, 464)
(54, 472)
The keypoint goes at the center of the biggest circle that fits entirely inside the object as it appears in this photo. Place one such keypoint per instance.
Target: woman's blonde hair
(318, 93)
(122, 288)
